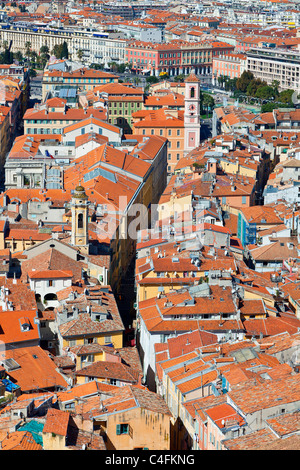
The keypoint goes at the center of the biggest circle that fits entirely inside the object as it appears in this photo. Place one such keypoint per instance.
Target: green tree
(42, 60)
(5, 45)
(27, 49)
(18, 56)
(179, 78)
(207, 103)
(6, 57)
(152, 79)
(80, 54)
(230, 84)
(97, 66)
(265, 92)
(268, 107)
(113, 66)
(44, 49)
(285, 96)
(275, 85)
(254, 85)
(32, 72)
(64, 51)
(61, 51)
(244, 80)
(136, 80)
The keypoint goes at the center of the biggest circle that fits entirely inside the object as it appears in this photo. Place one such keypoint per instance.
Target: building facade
(275, 64)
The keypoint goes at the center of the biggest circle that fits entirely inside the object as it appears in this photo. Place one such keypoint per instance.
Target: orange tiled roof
(20, 440)
(57, 422)
(37, 371)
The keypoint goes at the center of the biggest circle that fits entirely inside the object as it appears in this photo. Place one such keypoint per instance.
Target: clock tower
(192, 123)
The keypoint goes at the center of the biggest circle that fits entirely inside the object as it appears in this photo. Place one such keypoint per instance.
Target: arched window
(50, 297)
(80, 220)
(192, 95)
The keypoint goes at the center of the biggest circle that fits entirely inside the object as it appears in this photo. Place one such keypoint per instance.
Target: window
(122, 429)
(107, 339)
(87, 358)
(192, 93)
(88, 340)
(69, 406)
(80, 220)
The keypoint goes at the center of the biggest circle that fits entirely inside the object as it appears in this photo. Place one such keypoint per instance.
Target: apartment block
(275, 64)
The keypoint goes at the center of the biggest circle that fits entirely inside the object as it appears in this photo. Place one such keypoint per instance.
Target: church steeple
(80, 209)
(192, 123)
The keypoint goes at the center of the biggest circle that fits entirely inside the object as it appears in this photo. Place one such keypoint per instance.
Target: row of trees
(248, 87)
(32, 58)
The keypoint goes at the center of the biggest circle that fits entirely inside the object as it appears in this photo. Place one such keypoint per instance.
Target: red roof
(57, 422)
(50, 274)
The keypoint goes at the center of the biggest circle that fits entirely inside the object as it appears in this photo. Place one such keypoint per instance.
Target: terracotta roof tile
(57, 422)
(20, 440)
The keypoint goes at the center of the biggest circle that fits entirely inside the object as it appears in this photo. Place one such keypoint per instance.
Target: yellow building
(171, 205)
(93, 319)
(55, 429)
(20, 239)
(132, 419)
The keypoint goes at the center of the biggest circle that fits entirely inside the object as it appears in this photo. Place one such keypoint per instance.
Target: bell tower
(192, 122)
(79, 210)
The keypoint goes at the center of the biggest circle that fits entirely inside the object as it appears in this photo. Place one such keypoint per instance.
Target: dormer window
(24, 324)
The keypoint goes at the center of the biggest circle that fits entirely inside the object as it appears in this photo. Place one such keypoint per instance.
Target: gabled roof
(57, 422)
(91, 120)
(10, 327)
(52, 260)
(109, 370)
(50, 274)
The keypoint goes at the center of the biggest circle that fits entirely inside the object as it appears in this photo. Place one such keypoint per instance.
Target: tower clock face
(192, 107)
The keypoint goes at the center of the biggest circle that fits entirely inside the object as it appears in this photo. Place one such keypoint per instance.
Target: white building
(47, 283)
(275, 64)
(141, 32)
(39, 164)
